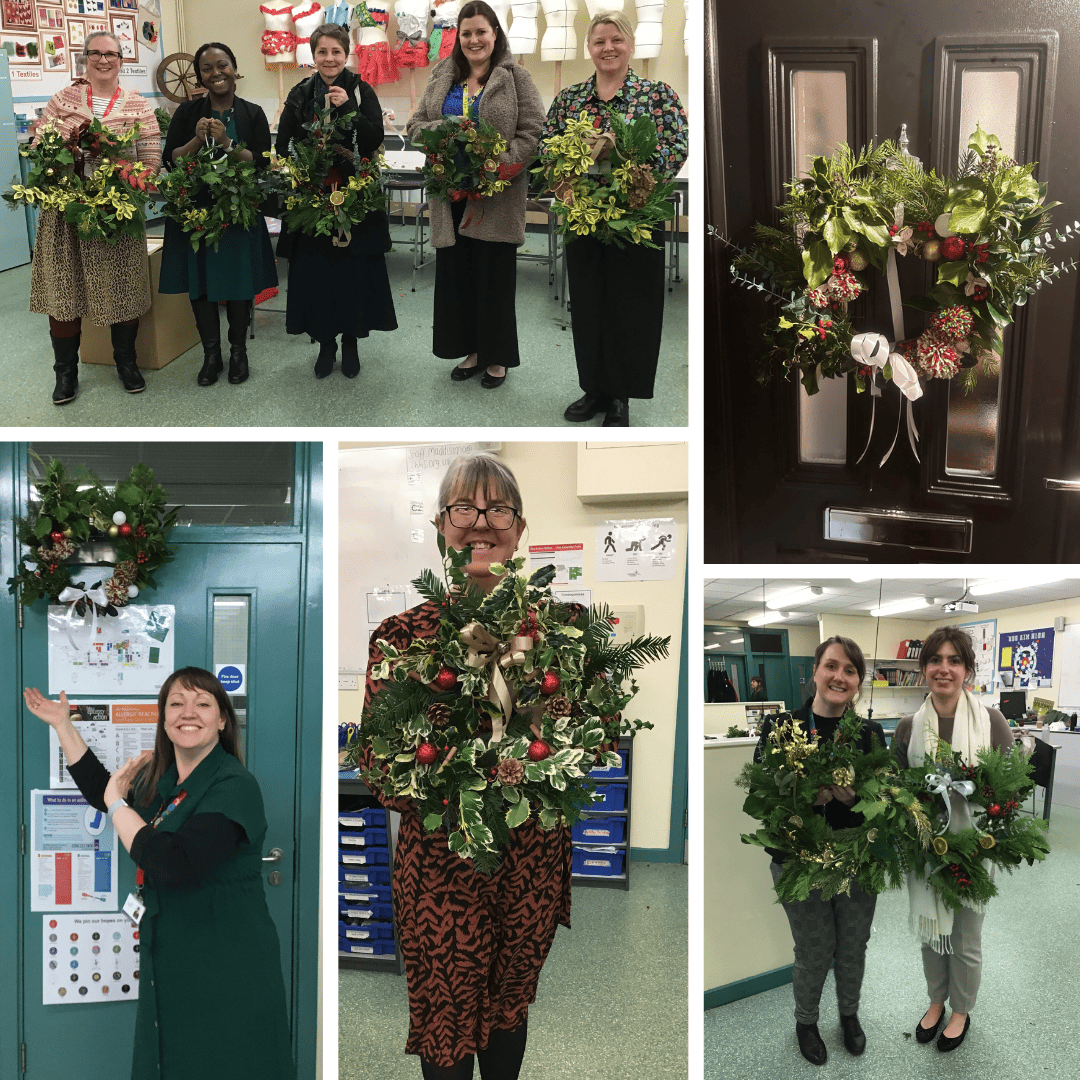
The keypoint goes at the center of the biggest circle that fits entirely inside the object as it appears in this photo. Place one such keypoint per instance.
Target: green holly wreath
(502, 715)
(131, 517)
(986, 231)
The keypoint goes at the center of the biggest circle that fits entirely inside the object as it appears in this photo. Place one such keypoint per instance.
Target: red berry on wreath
(539, 750)
(840, 263)
(994, 810)
(446, 679)
(56, 536)
(549, 684)
(426, 753)
(952, 248)
(126, 530)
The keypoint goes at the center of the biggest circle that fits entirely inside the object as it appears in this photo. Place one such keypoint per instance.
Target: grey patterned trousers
(824, 932)
(955, 977)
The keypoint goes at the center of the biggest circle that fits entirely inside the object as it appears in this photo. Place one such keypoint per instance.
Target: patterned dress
(473, 944)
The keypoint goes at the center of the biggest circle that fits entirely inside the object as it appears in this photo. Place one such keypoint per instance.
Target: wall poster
(1026, 658)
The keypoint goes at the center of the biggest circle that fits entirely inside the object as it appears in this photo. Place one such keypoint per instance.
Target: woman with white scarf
(952, 943)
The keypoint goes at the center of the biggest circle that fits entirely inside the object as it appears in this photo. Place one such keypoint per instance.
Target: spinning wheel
(176, 77)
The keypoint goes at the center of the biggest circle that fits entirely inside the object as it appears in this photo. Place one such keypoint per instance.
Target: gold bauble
(114, 530)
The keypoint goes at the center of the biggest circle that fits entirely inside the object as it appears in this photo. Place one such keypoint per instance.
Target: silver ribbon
(71, 595)
(943, 785)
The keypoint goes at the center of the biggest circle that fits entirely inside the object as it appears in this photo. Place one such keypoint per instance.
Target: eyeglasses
(464, 516)
(93, 54)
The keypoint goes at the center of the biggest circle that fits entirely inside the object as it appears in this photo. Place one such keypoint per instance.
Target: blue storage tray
(362, 876)
(614, 798)
(374, 947)
(599, 831)
(363, 894)
(598, 863)
(369, 818)
(607, 772)
(362, 838)
(369, 931)
(365, 910)
(364, 857)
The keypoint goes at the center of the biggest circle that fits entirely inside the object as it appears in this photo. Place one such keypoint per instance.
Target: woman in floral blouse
(617, 294)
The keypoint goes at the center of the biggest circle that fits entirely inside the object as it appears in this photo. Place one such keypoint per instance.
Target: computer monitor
(1013, 704)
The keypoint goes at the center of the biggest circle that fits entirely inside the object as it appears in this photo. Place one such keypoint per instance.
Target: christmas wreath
(107, 205)
(463, 159)
(782, 790)
(72, 512)
(986, 232)
(501, 716)
(319, 201)
(956, 864)
(603, 181)
(209, 192)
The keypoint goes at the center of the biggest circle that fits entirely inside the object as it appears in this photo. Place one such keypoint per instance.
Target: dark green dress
(211, 993)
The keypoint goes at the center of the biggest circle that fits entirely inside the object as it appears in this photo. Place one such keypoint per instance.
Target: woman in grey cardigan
(476, 262)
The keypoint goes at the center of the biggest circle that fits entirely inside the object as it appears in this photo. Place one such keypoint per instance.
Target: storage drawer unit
(601, 841)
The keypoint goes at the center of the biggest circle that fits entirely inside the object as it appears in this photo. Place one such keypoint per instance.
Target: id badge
(134, 909)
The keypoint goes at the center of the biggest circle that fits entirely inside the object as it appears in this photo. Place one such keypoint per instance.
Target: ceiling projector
(961, 605)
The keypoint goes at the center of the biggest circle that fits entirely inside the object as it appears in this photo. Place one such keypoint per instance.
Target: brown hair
(851, 650)
(338, 33)
(500, 51)
(191, 678)
(482, 471)
(955, 636)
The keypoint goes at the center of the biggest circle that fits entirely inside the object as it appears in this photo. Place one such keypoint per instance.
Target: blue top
(454, 101)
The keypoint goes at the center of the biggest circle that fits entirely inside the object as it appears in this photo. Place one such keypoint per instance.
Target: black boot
(327, 355)
(238, 312)
(618, 413)
(811, 1045)
(66, 366)
(350, 358)
(127, 367)
(206, 319)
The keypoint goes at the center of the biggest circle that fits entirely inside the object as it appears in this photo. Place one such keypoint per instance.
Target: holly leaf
(433, 822)
(517, 813)
(42, 526)
(969, 219)
(952, 272)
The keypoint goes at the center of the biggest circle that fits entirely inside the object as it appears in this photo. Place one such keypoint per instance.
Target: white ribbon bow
(874, 351)
(941, 784)
(71, 595)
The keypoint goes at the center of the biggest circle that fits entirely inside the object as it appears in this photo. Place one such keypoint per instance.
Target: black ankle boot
(66, 366)
(854, 1036)
(810, 1043)
(127, 367)
(350, 358)
(327, 355)
(206, 319)
(238, 312)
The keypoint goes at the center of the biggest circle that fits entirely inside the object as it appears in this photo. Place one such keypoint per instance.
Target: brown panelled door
(997, 477)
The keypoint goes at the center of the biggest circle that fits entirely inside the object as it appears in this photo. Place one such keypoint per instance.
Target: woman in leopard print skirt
(473, 943)
(72, 278)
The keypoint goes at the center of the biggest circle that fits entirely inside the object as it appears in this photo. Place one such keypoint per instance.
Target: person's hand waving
(119, 785)
(52, 712)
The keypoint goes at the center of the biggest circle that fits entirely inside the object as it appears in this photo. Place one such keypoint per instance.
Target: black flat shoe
(585, 408)
(618, 414)
(490, 382)
(810, 1044)
(460, 374)
(945, 1044)
(925, 1035)
(854, 1036)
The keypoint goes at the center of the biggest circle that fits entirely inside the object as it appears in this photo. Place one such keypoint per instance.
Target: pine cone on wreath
(510, 772)
(558, 707)
(438, 712)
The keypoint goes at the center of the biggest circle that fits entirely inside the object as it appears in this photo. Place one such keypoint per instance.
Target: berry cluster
(960, 878)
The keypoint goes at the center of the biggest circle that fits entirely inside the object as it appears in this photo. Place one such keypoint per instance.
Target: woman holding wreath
(72, 278)
(211, 992)
(617, 294)
(473, 943)
(952, 942)
(243, 264)
(334, 289)
(832, 931)
(476, 242)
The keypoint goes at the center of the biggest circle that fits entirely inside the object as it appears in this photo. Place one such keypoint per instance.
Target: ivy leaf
(969, 219)
(817, 263)
(952, 272)
(42, 526)
(836, 235)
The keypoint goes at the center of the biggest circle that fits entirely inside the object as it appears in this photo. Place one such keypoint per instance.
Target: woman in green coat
(211, 993)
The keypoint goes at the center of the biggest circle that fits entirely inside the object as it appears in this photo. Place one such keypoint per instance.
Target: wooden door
(993, 483)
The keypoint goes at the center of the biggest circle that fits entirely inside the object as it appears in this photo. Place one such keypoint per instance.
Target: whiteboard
(1067, 661)
(387, 498)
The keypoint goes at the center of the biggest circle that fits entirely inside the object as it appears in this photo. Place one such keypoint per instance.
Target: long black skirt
(475, 286)
(617, 307)
(335, 290)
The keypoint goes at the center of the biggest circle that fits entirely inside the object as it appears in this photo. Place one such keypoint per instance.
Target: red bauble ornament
(446, 679)
(953, 248)
(549, 684)
(539, 750)
(126, 530)
(994, 811)
(840, 264)
(426, 753)
(56, 536)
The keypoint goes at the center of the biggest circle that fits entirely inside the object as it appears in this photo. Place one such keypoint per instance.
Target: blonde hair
(612, 18)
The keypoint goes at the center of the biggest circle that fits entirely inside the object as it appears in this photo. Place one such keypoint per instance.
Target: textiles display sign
(1026, 658)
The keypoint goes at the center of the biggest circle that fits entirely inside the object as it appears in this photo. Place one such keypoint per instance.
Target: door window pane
(990, 99)
(818, 113)
(823, 423)
(225, 483)
(232, 615)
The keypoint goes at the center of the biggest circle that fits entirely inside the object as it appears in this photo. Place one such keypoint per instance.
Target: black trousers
(475, 286)
(617, 307)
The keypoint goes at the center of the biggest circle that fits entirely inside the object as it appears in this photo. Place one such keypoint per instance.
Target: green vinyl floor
(611, 1001)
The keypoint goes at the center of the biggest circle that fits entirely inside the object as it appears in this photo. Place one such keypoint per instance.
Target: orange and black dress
(473, 943)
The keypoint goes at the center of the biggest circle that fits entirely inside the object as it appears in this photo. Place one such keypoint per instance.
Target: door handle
(1062, 485)
(276, 855)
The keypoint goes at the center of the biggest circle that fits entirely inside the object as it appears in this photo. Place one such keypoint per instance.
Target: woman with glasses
(473, 943)
(72, 279)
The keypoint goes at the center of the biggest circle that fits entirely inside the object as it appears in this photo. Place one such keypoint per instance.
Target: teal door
(237, 601)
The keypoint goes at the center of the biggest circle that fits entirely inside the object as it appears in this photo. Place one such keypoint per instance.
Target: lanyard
(108, 108)
(465, 98)
(164, 813)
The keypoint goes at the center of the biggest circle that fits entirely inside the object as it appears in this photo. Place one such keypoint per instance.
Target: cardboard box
(166, 331)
